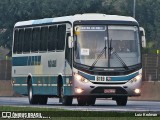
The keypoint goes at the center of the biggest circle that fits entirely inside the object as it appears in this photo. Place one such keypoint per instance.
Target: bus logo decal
(52, 63)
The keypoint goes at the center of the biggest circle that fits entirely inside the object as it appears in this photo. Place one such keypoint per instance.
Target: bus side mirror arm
(70, 42)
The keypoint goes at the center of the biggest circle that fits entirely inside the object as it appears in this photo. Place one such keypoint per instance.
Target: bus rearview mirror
(143, 38)
(70, 42)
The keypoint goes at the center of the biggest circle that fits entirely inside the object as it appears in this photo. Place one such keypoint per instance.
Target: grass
(61, 114)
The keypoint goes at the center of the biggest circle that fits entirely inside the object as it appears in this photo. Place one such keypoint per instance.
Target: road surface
(101, 105)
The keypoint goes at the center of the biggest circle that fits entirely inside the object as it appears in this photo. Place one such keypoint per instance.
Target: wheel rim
(30, 93)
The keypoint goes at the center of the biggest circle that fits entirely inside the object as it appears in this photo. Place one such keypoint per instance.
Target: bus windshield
(106, 46)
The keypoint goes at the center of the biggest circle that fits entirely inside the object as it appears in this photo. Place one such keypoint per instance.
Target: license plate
(109, 90)
(100, 79)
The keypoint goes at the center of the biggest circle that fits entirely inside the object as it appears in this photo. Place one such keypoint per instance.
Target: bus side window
(52, 38)
(15, 48)
(21, 40)
(27, 39)
(61, 37)
(35, 39)
(44, 39)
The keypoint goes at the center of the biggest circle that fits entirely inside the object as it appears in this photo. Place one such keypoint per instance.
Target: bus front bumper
(130, 88)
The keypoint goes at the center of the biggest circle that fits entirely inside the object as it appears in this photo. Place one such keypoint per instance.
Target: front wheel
(86, 101)
(121, 101)
(91, 101)
(67, 100)
(81, 101)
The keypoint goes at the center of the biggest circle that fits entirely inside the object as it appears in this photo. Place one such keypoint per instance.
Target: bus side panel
(46, 85)
(67, 79)
(45, 90)
(68, 88)
(44, 75)
(20, 85)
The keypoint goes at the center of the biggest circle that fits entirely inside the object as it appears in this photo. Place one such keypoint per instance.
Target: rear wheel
(121, 101)
(33, 99)
(42, 100)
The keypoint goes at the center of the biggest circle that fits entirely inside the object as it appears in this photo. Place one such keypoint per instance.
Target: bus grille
(109, 83)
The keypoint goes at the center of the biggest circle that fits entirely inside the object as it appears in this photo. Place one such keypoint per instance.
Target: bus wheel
(91, 101)
(81, 101)
(32, 98)
(42, 100)
(67, 100)
(121, 101)
(60, 88)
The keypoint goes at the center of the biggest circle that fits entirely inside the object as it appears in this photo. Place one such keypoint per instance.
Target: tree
(147, 13)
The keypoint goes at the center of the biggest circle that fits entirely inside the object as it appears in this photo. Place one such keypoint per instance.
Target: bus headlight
(137, 91)
(78, 90)
(137, 78)
(80, 78)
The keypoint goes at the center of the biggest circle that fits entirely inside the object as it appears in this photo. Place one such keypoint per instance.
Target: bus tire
(121, 101)
(33, 99)
(67, 100)
(59, 87)
(81, 101)
(42, 100)
(91, 101)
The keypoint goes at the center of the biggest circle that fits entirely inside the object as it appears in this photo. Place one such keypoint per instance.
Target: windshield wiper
(116, 54)
(99, 56)
(120, 59)
(111, 51)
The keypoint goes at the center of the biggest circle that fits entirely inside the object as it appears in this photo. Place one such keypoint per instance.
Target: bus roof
(89, 16)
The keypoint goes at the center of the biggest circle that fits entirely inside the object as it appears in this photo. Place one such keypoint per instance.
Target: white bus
(84, 56)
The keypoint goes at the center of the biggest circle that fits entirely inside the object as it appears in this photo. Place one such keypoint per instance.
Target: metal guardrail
(151, 67)
(5, 69)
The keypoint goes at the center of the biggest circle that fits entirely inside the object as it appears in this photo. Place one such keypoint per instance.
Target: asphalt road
(101, 105)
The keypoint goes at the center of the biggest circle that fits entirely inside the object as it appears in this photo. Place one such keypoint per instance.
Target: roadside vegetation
(61, 114)
(147, 14)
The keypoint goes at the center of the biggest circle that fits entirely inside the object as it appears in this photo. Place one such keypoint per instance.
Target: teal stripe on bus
(41, 79)
(112, 78)
(87, 76)
(48, 89)
(26, 61)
